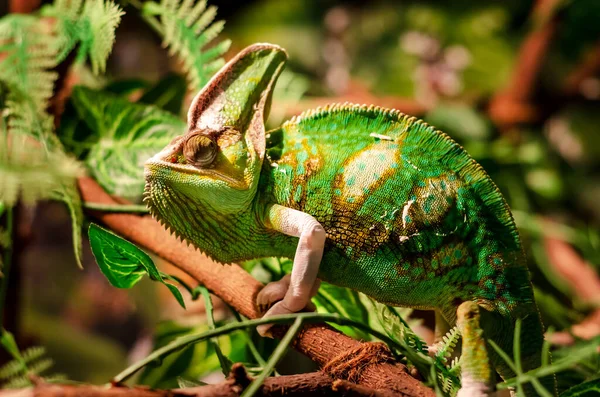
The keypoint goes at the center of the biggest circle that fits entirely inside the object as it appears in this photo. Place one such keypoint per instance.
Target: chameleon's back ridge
(430, 139)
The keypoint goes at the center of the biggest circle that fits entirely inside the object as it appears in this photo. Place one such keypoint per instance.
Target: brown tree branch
(311, 384)
(238, 289)
(24, 6)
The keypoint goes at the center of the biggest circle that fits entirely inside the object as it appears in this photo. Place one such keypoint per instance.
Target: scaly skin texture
(476, 374)
(410, 218)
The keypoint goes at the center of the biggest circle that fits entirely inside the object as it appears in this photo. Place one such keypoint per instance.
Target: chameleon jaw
(155, 166)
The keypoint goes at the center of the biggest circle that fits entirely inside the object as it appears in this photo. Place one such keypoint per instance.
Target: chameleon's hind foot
(272, 293)
(271, 300)
(474, 362)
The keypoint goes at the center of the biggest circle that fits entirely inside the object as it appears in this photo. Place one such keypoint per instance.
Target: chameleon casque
(360, 196)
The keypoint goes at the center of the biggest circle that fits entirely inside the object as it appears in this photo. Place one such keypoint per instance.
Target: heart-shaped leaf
(123, 263)
(128, 135)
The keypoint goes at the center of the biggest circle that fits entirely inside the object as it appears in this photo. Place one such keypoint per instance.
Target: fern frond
(10, 370)
(187, 29)
(17, 382)
(29, 56)
(89, 23)
(103, 17)
(449, 378)
(16, 375)
(447, 345)
(454, 367)
(31, 173)
(445, 383)
(33, 353)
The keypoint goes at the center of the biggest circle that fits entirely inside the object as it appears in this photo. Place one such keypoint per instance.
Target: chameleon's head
(216, 163)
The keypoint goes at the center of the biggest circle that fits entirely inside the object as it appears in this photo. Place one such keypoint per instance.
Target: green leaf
(176, 293)
(333, 299)
(120, 261)
(128, 134)
(74, 133)
(587, 389)
(123, 263)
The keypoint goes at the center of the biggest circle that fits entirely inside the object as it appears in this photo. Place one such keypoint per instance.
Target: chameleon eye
(200, 150)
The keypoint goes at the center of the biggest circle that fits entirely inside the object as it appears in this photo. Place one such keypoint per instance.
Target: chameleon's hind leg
(303, 280)
(501, 330)
(477, 374)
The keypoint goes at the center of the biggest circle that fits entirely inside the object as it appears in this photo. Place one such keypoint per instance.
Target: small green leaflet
(124, 264)
(7, 340)
(69, 194)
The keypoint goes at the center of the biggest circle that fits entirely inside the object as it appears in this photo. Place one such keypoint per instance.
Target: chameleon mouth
(154, 167)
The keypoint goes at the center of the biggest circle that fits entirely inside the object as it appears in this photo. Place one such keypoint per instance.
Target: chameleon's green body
(411, 219)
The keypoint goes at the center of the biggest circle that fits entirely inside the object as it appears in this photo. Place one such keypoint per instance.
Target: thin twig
(309, 384)
(128, 208)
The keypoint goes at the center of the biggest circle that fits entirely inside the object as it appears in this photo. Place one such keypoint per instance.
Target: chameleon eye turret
(200, 149)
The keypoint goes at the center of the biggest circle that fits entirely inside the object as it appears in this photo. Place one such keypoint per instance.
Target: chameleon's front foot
(293, 293)
(272, 300)
(272, 293)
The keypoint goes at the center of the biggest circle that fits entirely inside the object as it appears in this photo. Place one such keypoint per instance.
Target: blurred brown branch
(584, 282)
(512, 105)
(311, 384)
(321, 343)
(586, 69)
(24, 6)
